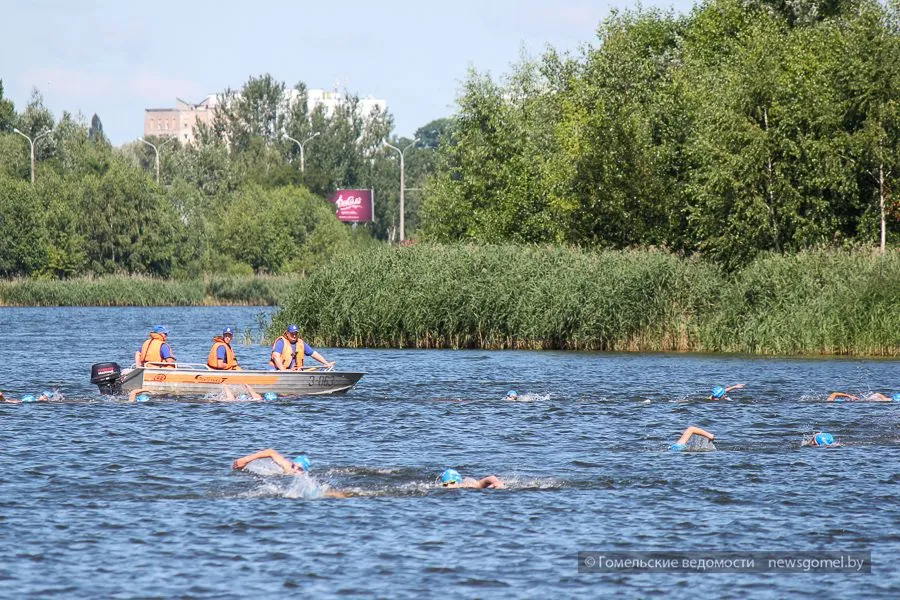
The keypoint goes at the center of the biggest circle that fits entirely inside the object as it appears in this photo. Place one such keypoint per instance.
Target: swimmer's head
(46, 394)
(270, 396)
(302, 461)
(512, 394)
(677, 447)
(450, 478)
(823, 439)
(142, 398)
(896, 397)
(29, 398)
(718, 392)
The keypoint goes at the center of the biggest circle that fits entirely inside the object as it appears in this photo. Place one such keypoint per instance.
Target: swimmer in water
(298, 466)
(250, 395)
(44, 396)
(719, 392)
(870, 397)
(685, 440)
(512, 395)
(451, 478)
(821, 439)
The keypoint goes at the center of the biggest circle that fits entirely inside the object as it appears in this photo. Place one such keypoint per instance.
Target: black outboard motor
(108, 377)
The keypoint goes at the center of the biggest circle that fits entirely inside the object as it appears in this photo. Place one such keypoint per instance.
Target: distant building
(179, 121)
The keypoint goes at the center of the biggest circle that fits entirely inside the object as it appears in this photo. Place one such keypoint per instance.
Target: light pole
(32, 142)
(156, 150)
(302, 160)
(402, 184)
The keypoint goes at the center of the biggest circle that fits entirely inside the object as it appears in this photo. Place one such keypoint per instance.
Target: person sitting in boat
(719, 392)
(286, 354)
(297, 467)
(703, 441)
(156, 350)
(221, 356)
(451, 478)
(821, 439)
(870, 397)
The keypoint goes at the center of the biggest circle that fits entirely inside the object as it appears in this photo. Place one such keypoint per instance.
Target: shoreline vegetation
(137, 290)
(820, 302)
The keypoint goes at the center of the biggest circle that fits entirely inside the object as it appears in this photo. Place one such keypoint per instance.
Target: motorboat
(180, 379)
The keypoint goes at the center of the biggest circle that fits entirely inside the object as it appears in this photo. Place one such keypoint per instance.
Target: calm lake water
(102, 498)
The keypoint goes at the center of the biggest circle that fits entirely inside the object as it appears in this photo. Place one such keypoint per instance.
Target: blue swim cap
(293, 329)
(228, 331)
(142, 398)
(896, 397)
(161, 329)
(270, 396)
(677, 447)
(718, 391)
(302, 461)
(29, 398)
(47, 394)
(823, 439)
(512, 393)
(450, 476)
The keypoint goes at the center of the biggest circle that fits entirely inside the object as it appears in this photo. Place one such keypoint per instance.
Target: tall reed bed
(563, 298)
(123, 290)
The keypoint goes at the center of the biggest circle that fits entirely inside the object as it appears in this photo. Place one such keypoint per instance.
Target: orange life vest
(151, 350)
(213, 359)
(288, 355)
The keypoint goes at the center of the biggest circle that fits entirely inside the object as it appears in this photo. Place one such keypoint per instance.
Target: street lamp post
(32, 142)
(402, 184)
(156, 150)
(302, 159)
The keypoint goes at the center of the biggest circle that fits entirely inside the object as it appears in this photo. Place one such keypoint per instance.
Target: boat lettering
(321, 380)
(158, 377)
(208, 379)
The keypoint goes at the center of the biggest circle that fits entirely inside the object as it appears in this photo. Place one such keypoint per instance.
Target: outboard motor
(108, 377)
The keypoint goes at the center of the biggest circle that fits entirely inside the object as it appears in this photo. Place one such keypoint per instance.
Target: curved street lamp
(302, 159)
(32, 142)
(402, 184)
(156, 150)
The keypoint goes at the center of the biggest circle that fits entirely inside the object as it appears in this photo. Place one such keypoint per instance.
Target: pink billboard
(354, 206)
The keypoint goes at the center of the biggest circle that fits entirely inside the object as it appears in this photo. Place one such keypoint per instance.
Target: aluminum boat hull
(195, 381)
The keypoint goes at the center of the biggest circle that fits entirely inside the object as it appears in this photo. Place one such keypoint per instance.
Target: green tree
(7, 112)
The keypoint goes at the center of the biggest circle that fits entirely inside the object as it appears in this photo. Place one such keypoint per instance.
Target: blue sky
(117, 58)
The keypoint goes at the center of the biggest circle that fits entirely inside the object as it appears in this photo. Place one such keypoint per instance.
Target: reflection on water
(102, 497)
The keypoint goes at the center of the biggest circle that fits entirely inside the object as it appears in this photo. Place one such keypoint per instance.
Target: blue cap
(896, 397)
(142, 398)
(512, 393)
(823, 439)
(47, 394)
(161, 329)
(28, 398)
(293, 329)
(228, 331)
(677, 447)
(450, 476)
(302, 461)
(270, 396)
(718, 391)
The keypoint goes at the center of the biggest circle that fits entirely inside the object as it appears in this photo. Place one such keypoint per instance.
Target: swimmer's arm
(336, 494)
(490, 481)
(879, 397)
(252, 392)
(737, 386)
(276, 456)
(841, 395)
(692, 431)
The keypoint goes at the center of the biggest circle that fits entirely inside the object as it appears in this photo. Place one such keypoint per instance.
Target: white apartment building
(180, 121)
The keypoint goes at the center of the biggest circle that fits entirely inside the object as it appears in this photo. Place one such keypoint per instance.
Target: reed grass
(132, 290)
(563, 298)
